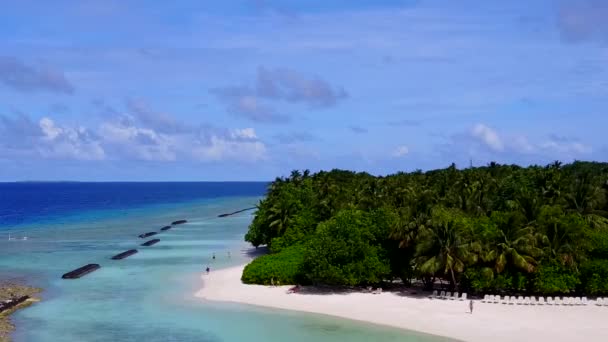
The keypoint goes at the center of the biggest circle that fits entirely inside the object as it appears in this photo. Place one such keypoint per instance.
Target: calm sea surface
(150, 295)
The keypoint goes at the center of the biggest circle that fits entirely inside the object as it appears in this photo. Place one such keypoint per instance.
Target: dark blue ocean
(33, 202)
(47, 229)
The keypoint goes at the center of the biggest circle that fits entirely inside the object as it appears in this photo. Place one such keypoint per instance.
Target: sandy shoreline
(489, 322)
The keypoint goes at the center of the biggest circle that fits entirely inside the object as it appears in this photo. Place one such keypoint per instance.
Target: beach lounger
(599, 301)
(512, 300)
(463, 296)
(549, 300)
(447, 295)
(505, 300)
(557, 301)
(584, 301)
(520, 300)
(454, 296)
(434, 295)
(496, 299)
(377, 291)
(485, 298)
(541, 301)
(526, 300)
(533, 300)
(442, 295)
(578, 301)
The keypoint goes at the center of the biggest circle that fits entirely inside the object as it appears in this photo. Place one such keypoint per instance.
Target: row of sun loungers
(448, 295)
(512, 300)
(565, 301)
(601, 301)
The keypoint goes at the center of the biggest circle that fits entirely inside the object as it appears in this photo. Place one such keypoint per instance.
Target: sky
(250, 90)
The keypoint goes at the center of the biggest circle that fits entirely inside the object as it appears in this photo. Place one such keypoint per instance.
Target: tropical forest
(497, 228)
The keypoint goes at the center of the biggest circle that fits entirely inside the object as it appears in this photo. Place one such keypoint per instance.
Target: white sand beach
(489, 322)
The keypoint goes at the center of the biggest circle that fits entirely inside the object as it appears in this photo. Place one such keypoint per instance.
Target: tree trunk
(453, 279)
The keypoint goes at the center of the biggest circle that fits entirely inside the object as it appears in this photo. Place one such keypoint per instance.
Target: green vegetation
(280, 268)
(496, 228)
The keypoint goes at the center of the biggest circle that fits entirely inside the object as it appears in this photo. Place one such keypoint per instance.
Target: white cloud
(67, 142)
(573, 147)
(247, 133)
(210, 144)
(486, 143)
(138, 143)
(232, 147)
(487, 136)
(123, 139)
(401, 151)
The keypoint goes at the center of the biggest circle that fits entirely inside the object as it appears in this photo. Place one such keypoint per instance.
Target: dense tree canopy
(494, 228)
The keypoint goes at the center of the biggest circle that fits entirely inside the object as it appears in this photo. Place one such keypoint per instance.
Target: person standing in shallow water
(471, 306)
(207, 269)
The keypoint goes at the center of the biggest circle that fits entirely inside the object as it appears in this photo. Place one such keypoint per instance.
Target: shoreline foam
(489, 322)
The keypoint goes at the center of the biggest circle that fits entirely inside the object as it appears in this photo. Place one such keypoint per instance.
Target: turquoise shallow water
(150, 296)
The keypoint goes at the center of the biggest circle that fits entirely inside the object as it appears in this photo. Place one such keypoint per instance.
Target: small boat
(178, 222)
(165, 228)
(150, 242)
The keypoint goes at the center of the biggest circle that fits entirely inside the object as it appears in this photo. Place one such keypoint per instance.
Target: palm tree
(528, 203)
(414, 216)
(585, 197)
(442, 251)
(279, 214)
(295, 177)
(515, 245)
(560, 242)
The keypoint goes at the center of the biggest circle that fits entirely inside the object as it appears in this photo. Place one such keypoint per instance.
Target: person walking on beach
(213, 256)
(471, 306)
(207, 269)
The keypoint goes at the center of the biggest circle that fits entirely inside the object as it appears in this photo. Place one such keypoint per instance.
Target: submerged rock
(150, 243)
(82, 271)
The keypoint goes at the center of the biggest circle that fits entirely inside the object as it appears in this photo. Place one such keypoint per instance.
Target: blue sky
(249, 90)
